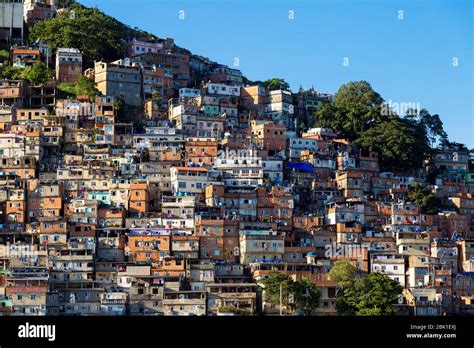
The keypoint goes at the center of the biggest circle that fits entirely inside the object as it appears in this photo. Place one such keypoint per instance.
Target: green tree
(83, 86)
(433, 127)
(37, 73)
(138, 126)
(302, 127)
(401, 144)
(119, 106)
(311, 297)
(327, 116)
(302, 295)
(86, 86)
(11, 73)
(272, 285)
(372, 295)
(355, 107)
(404, 143)
(275, 84)
(425, 199)
(343, 274)
(156, 97)
(4, 57)
(97, 35)
(453, 146)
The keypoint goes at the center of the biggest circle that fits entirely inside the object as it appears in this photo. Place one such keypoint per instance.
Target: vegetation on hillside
(295, 295)
(83, 86)
(404, 142)
(11, 73)
(97, 35)
(343, 274)
(374, 294)
(276, 84)
(4, 57)
(271, 84)
(36, 73)
(425, 199)
(371, 295)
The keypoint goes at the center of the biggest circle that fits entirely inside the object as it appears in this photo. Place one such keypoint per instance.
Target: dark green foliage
(119, 106)
(404, 143)
(401, 143)
(305, 294)
(433, 127)
(343, 274)
(83, 86)
(310, 298)
(37, 73)
(97, 35)
(356, 106)
(453, 146)
(11, 73)
(275, 84)
(372, 295)
(425, 199)
(4, 57)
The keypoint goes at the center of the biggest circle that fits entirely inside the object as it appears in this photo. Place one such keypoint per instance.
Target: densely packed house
(184, 209)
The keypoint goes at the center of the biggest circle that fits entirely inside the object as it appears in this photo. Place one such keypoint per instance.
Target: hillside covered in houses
(138, 178)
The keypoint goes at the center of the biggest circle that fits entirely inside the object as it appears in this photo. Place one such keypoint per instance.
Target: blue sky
(408, 60)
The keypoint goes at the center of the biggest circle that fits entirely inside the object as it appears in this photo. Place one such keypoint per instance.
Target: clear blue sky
(405, 60)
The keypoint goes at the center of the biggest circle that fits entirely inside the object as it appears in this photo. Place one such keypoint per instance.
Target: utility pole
(281, 299)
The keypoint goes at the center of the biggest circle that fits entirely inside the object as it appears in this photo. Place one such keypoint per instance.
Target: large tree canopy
(404, 142)
(83, 86)
(343, 274)
(355, 107)
(358, 106)
(401, 143)
(296, 295)
(425, 199)
(372, 295)
(275, 84)
(97, 35)
(36, 73)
